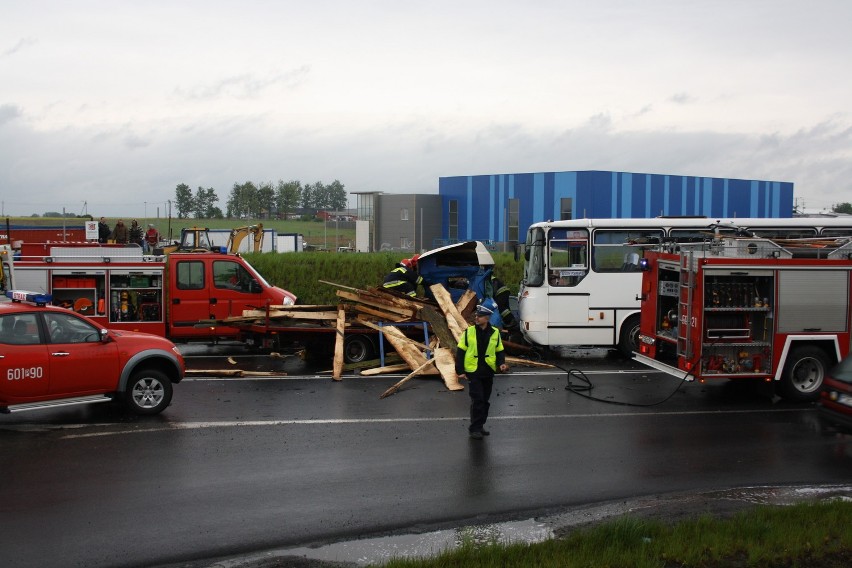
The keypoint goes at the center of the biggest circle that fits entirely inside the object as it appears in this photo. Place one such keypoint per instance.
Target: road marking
(392, 375)
(339, 421)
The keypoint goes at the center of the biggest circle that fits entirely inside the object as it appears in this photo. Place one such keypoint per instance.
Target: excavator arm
(240, 233)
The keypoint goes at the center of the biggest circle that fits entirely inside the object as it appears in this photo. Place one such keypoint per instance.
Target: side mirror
(104, 335)
(254, 287)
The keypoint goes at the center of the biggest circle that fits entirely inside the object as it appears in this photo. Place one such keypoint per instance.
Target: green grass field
(805, 535)
(318, 234)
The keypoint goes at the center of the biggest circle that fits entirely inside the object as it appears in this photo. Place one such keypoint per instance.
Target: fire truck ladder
(687, 289)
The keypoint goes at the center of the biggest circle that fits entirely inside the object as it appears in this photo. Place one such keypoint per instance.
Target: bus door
(567, 269)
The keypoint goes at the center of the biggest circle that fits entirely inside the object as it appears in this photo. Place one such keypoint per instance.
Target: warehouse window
(453, 221)
(566, 210)
(403, 214)
(512, 221)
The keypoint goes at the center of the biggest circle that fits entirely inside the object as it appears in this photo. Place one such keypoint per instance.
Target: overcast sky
(105, 106)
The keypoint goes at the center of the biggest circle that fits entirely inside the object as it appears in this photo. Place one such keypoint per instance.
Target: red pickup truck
(52, 357)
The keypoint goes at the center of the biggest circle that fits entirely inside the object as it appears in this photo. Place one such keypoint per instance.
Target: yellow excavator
(192, 239)
(240, 233)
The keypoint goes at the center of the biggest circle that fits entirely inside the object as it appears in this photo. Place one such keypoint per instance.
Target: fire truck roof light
(30, 297)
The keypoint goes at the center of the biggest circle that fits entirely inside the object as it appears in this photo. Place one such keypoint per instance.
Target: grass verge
(806, 535)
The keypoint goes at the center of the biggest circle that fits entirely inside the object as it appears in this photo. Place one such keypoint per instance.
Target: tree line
(260, 201)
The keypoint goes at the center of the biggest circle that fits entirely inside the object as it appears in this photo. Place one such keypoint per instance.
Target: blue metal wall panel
(537, 197)
(483, 200)
(564, 187)
(657, 193)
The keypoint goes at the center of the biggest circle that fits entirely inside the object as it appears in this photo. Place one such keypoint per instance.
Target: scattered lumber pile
(380, 309)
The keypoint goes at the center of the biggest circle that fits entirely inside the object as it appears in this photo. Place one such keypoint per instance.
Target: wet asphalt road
(240, 465)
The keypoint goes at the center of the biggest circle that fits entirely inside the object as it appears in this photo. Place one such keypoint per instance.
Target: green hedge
(301, 272)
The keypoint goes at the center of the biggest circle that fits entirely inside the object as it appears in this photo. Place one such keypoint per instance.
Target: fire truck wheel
(148, 392)
(803, 374)
(628, 340)
(357, 348)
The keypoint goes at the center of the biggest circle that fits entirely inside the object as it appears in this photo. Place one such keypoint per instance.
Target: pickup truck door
(80, 363)
(190, 284)
(234, 289)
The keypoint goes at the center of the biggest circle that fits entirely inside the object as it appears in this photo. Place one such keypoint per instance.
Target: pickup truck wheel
(804, 373)
(628, 340)
(148, 392)
(357, 348)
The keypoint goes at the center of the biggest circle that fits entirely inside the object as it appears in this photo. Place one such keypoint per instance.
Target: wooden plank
(384, 370)
(446, 363)
(405, 347)
(455, 321)
(231, 373)
(388, 306)
(397, 298)
(528, 363)
(259, 314)
(304, 307)
(414, 373)
(439, 326)
(389, 330)
(466, 304)
(382, 315)
(338, 343)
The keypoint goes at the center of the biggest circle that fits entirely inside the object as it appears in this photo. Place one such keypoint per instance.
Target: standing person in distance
(152, 238)
(479, 355)
(119, 233)
(137, 237)
(103, 231)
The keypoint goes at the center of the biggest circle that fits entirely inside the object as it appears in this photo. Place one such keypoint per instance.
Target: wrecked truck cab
(459, 267)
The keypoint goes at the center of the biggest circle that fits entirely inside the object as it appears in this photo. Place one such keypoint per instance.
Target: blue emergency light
(31, 297)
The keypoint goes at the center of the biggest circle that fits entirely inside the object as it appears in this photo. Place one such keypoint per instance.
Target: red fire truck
(120, 288)
(748, 309)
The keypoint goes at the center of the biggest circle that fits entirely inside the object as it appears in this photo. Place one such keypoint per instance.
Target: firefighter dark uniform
(403, 278)
(500, 293)
(479, 355)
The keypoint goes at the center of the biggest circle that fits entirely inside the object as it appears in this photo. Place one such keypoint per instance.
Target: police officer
(479, 355)
(404, 278)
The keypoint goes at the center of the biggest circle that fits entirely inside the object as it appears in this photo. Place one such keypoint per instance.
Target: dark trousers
(479, 389)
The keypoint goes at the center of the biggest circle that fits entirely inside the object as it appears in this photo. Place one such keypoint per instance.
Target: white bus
(581, 280)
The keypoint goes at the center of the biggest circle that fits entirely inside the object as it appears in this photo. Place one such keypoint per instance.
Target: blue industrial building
(500, 207)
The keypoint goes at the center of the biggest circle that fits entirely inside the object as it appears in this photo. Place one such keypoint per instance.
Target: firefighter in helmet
(500, 292)
(404, 278)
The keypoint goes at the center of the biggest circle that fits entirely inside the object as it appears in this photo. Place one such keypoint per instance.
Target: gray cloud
(245, 86)
(21, 44)
(682, 98)
(9, 113)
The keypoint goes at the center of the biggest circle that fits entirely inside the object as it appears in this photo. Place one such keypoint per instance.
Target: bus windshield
(534, 257)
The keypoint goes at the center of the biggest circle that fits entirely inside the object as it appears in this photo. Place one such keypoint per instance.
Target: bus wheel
(803, 374)
(628, 340)
(357, 348)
